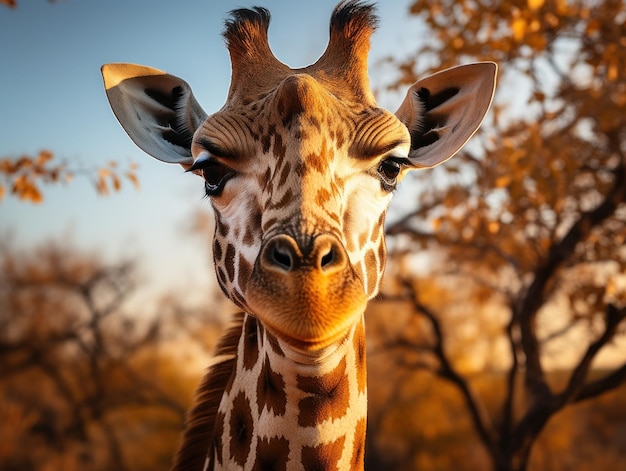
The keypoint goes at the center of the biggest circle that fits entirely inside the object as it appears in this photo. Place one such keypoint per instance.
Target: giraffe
(299, 166)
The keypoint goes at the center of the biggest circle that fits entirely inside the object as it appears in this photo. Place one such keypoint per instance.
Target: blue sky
(52, 98)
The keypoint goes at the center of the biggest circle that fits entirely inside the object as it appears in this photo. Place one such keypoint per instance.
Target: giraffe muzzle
(305, 290)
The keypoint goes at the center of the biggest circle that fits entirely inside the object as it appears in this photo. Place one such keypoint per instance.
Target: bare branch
(576, 385)
(446, 370)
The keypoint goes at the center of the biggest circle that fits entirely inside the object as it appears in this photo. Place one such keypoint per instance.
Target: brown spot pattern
(284, 200)
(358, 453)
(284, 174)
(363, 238)
(244, 271)
(377, 228)
(360, 357)
(265, 179)
(217, 250)
(271, 390)
(266, 142)
(222, 227)
(248, 237)
(324, 457)
(250, 343)
(241, 429)
(279, 150)
(272, 454)
(329, 399)
(229, 262)
(273, 341)
(322, 196)
(382, 254)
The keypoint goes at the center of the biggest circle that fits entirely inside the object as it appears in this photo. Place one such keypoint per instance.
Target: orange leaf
(493, 227)
(43, 157)
(133, 178)
(35, 195)
(101, 186)
(116, 182)
(503, 181)
(104, 173)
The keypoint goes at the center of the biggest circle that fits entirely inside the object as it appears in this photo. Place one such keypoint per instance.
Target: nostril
(281, 259)
(329, 254)
(281, 253)
(328, 259)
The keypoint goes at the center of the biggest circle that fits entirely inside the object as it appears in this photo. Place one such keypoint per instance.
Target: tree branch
(613, 317)
(534, 297)
(480, 418)
(602, 385)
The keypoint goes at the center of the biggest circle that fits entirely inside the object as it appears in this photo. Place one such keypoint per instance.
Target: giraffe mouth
(307, 312)
(308, 298)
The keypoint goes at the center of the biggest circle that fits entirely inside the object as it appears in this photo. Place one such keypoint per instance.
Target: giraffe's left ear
(444, 110)
(157, 110)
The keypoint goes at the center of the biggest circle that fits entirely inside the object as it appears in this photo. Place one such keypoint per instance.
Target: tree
(86, 383)
(22, 176)
(534, 220)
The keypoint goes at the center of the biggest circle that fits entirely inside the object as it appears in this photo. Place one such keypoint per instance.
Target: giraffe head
(300, 165)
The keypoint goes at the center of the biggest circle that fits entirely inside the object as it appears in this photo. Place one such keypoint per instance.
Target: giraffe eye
(215, 177)
(215, 174)
(389, 170)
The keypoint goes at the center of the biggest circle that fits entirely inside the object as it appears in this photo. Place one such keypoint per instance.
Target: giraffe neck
(293, 410)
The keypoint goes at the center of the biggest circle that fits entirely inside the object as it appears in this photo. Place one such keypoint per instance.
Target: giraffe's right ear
(157, 110)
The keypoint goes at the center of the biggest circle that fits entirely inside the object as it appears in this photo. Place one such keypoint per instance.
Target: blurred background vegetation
(499, 339)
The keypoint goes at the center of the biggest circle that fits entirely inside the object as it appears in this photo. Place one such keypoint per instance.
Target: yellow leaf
(519, 28)
(535, 4)
(2, 191)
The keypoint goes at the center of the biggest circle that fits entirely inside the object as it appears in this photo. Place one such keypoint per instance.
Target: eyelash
(215, 174)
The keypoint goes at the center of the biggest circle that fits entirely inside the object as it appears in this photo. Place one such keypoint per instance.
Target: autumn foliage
(526, 228)
(24, 176)
(86, 382)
